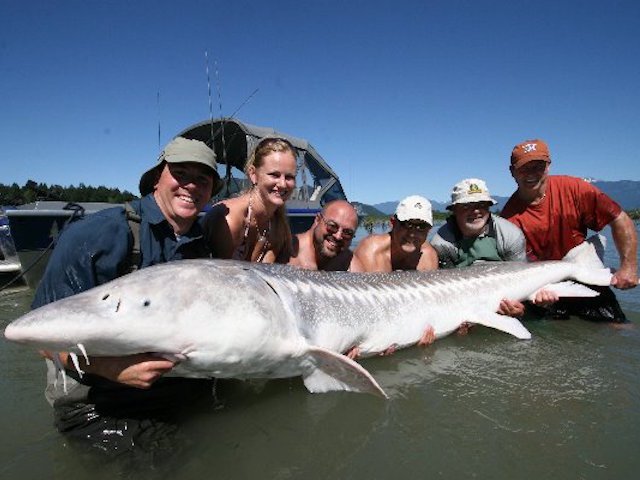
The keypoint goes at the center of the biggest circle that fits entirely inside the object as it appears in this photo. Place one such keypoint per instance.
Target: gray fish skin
(243, 320)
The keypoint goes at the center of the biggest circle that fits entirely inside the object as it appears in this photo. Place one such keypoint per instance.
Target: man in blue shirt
(122, 399)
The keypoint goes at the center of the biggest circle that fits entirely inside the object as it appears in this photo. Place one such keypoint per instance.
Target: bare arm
(356, 265)
(139, 371)
(367, 253)
(428, 259)
(626, 239)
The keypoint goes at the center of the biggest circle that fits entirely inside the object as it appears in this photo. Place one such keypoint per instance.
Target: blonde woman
(253, 226)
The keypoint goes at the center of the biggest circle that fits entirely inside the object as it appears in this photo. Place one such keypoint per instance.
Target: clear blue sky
(399, 97)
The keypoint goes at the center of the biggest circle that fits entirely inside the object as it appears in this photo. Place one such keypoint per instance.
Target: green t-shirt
(479, 248)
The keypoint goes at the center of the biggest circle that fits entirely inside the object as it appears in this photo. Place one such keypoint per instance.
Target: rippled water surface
(564, 405)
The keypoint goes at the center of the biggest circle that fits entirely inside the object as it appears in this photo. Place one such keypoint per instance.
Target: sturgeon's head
(216, 313)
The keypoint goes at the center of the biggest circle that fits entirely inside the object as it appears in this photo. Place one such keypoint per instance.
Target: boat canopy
(233, 140)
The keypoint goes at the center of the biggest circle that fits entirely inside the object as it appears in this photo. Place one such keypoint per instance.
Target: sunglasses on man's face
(333, 228)
(412, 225)
(475, 206)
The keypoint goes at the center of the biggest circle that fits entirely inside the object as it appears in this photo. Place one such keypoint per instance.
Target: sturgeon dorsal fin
(504, 323)
(329, 371)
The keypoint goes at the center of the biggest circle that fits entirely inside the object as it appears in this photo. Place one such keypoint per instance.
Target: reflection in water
(564, 405)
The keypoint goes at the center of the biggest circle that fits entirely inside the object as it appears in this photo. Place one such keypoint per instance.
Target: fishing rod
(158, 107)
(228, 176)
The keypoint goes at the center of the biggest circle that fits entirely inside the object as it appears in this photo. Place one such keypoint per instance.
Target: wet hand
(389, 351)
(139, 371)
(428, 337)
(625, 278)
(511, 308)
(353, 353)
(463, 329)
(545, 298)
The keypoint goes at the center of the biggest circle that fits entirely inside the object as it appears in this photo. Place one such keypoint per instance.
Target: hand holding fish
(140, 370)
(512, 308)
(544, 298)
(428, 336)
(626, 277)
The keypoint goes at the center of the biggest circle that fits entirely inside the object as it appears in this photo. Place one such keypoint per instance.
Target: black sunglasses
(333, 228)
(417, 226)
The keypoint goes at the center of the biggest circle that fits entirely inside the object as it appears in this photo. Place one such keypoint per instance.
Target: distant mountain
(365, 210)
(625, 192)
(389, 208)
(501, 202)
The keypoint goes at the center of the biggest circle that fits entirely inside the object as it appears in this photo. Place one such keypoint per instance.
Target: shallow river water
(564, 405)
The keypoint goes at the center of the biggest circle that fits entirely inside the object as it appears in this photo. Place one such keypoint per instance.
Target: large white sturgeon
(242, 320)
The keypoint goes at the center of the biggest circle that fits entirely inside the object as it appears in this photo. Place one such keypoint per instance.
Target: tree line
(32, 191)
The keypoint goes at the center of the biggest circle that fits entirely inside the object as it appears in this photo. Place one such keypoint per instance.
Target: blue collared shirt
(94, 250)
(97, 248)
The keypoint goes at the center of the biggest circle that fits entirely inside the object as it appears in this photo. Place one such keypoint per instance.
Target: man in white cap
(405, 247)
(159, 227)
(474, 234)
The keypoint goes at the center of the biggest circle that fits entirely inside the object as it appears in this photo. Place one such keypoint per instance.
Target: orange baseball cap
(529, 150)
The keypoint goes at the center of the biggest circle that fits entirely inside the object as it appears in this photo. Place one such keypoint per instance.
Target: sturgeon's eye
(147, 303)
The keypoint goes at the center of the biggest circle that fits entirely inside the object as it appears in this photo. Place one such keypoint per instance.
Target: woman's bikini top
(262, 245)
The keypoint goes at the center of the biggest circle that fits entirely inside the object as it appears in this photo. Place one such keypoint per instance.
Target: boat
(35, 226)
(10, 268)
(233, 140)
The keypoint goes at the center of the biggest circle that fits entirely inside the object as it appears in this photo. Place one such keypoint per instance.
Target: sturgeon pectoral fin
(330, 371)
(504, 323)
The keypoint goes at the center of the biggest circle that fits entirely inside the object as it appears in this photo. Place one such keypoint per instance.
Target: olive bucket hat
(180, 150)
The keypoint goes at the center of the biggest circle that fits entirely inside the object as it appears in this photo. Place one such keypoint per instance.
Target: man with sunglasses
(555, 212)
(123, 402)
(405, 247)
(325, 246)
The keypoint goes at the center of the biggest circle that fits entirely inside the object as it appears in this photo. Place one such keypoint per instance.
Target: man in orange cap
(555, 212)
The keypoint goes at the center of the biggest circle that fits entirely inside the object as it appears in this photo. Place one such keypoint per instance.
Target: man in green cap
(115, 404)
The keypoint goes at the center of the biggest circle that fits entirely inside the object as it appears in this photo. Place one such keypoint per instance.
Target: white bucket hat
(470, 190)
(181, 150)
(415, 207)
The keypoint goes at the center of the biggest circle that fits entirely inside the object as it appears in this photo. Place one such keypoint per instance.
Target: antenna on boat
(206, 66)
(243, 103)
(158, 105)
(227, 173)
(222, 120)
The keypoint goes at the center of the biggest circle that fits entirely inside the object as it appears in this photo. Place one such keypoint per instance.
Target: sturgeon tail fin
(329, 371)
(504, 323)
(588, 257)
